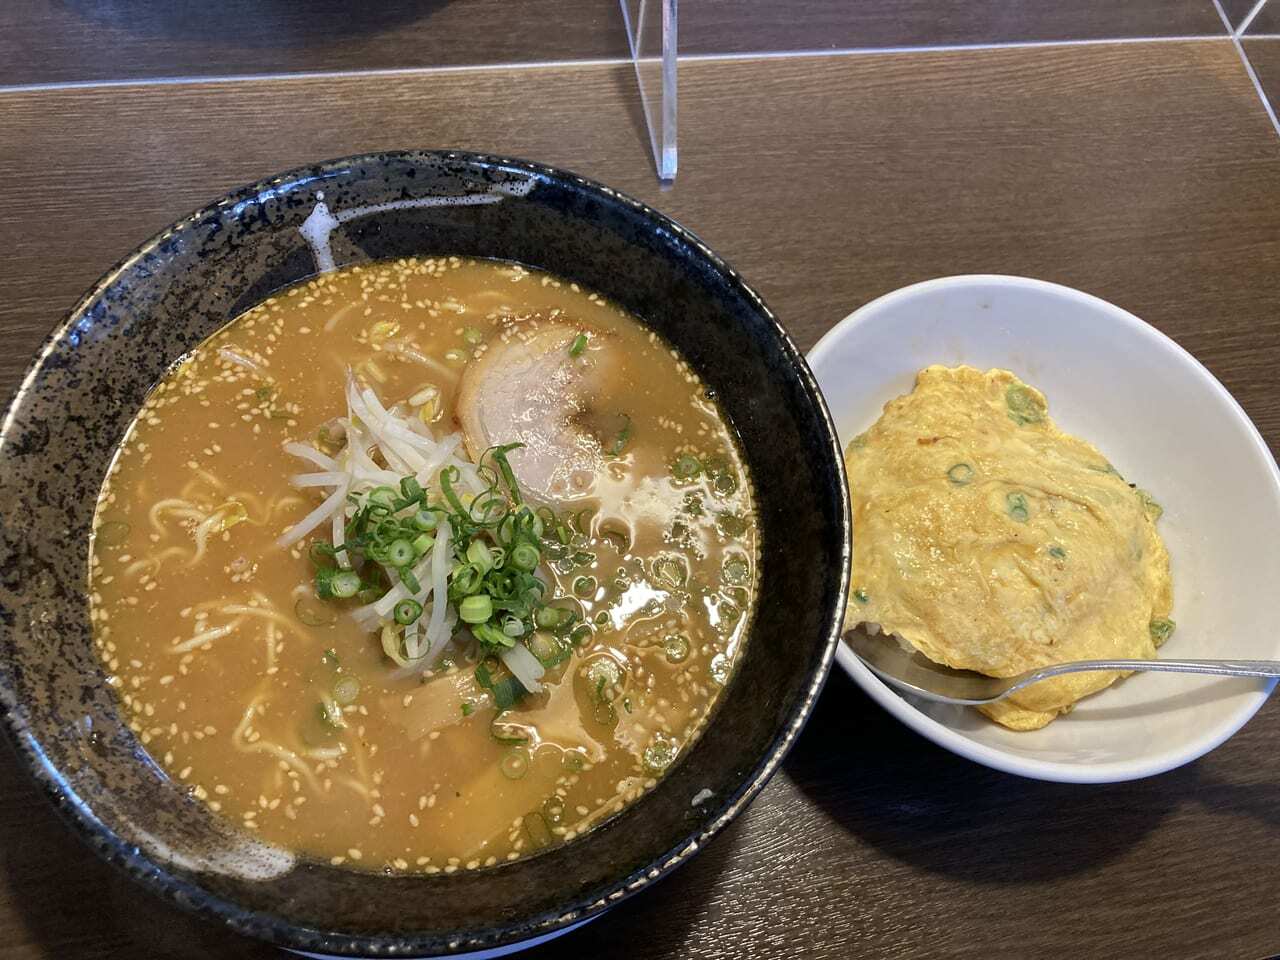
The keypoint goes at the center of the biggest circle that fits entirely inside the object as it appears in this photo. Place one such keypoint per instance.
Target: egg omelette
(989, 540)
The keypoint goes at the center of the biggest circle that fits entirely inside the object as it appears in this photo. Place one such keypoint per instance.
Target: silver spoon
(915, 673)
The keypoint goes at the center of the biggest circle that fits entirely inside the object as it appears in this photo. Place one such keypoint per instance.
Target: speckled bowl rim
(277, 929)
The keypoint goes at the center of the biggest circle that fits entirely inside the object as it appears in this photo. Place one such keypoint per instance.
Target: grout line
(598, 62)
(943, 48)
(1244, 24)
(313, 75)
(1248, 69)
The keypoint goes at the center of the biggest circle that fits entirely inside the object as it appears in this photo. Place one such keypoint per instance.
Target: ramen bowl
(94, 372)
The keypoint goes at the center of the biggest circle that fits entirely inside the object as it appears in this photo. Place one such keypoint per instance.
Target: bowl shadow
(920, 804)
(269, 24)
(681, 901)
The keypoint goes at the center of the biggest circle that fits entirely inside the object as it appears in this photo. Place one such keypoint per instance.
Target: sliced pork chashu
(527, 387)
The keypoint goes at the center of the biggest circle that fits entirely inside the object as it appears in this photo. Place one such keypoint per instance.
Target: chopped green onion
(546, 648)
(504, 732)
(584, 586)
(407, 611)
(1025, 406)
(725, 483)
(1161, 628)
(525, 556)
(507, 692)
(400, 553)
(676, 647)
(425, 520)
(499, 456)
(687, 467)
(1057, 552)
(476, 609)
(466, 579)
(535, 827)
(448, 477)
(1153, 509)
(314, 614)
(622, 439)
(409, 580)
(330, 657)
(468, 708)
(382, 496)
(488, 634)
(604, 676)
(480, 556)
(513, 627)
(670, 571)
(331, 442)
(736, 570)
(1016, 507)
(411, 488)
(321, 554)
(346, 690)
(579, 344)
(605, 715)
(422, 543)
(345, 583)
(659, 754)
(472, 335)
(732, 525)
(551, 617)
(515, 764)
(861, 595)
(960, 474)
(582, 521)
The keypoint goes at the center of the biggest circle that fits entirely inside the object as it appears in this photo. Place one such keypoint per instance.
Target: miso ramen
(424, 565)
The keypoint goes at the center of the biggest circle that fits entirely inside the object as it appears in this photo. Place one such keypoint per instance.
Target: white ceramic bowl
(1168, 425)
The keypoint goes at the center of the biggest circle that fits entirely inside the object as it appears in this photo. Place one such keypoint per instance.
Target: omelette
(989, 540)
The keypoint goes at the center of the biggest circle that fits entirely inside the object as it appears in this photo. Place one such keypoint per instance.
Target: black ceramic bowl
(93, 373)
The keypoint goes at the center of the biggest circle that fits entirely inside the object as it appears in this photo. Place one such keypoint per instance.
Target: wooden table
(1145, 171)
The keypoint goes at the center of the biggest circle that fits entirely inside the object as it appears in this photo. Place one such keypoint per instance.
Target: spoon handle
(1221, 668)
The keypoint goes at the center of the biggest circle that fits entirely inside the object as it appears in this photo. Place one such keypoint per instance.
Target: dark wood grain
(56, 41)
(721, 26)
(1266, 22)
(1265, 57)
(1145, 173)
(1237, 10)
